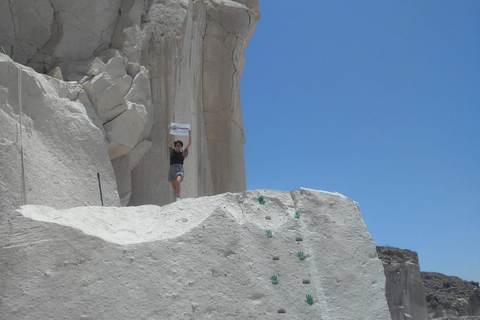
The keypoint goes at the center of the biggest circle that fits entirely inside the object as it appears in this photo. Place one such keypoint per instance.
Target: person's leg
(178, 183)
(174, 186)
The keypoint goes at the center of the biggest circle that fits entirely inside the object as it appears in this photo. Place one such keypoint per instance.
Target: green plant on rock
(274, 279)
(268, 233)
(309, 299)
(300, 255)
(297, 215)
(261, 200)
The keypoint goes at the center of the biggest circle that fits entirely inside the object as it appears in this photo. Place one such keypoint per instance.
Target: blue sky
(380, 101)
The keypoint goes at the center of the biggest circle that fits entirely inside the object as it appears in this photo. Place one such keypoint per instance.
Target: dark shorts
(175, 171)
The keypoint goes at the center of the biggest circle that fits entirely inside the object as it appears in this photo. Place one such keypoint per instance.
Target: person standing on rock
(177, 156)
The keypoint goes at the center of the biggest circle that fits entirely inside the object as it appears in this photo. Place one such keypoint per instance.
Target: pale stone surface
(105, 97)
(116, 66)
(195, 79)
(97, 66)
(63, 149)
(116, 150)
(123, 84)
(45, 30)
(138, 152)
(25, 25)
(205, 258)
(56, 73)
(140, 99)
(132, 46)
(125, 130)
(133, 69)
(159, 54)
(122, 170)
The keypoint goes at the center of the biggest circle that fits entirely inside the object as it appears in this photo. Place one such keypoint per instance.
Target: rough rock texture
(44, 30)
(205, 258)
(63, 149)
(451, 297)
(194, 52)
(154, 62)
(404, 288)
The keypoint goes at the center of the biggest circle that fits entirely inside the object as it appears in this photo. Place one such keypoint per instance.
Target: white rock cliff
(142, 65)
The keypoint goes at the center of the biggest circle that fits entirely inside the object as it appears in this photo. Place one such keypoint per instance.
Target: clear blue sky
(380, 101)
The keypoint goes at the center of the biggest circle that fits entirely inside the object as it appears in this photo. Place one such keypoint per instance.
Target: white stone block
(97, 66)
(122, 175)
(134, 38)
(133, 69)
(123, 84)
(116, 66)
(125, 130)
(56, 73)
(138, 152)
(105, 97)
(116, 150)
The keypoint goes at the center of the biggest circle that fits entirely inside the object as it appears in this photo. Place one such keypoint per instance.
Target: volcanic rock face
(451, 297)
(404, 288)
(205, 258)
(140, 65)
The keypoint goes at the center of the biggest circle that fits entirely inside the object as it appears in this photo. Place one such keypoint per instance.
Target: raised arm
(169, 138)
(189, 139)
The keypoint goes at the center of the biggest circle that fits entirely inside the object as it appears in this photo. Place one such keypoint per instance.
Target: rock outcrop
(451, 297)
(194, 52)
(412, 294)
(143, 64)
(205, 258)
(404, 288)
(64, 148)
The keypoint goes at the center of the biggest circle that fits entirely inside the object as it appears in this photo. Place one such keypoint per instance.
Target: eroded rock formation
(205, 258)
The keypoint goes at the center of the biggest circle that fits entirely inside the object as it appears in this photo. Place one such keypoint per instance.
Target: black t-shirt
(177, 157)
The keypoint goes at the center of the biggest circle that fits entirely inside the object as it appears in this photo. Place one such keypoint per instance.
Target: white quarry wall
(63, 148)
(205, 258)
(144, 64)
(195, 76)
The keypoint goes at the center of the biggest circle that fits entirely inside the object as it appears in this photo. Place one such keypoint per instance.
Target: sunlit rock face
(142, 65)
(63, 144)
(204, 258)
(194, 51)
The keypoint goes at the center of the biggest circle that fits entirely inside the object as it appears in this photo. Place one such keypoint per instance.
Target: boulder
(116, 66)
(124, 131)
(105, 97)
(96, 67)
(204, 258)
(56, 73)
